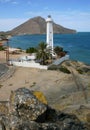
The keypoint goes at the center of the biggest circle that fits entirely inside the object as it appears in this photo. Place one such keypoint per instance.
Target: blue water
(78, 45)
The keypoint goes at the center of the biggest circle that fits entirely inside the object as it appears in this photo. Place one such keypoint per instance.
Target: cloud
(14, 2)
(9, 1)
(46, 8)
(33, 14)
(77, 20)
(5, 1)
(8, 24)
(73, 19)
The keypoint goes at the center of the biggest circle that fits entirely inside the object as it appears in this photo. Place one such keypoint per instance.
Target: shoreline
(77, 45)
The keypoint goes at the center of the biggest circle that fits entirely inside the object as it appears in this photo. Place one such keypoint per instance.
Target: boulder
(24, 105)
(28, 112)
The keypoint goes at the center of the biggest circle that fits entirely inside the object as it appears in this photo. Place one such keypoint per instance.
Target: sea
(77, 45)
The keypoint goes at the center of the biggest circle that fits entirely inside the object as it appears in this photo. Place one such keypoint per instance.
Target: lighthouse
(49, 38)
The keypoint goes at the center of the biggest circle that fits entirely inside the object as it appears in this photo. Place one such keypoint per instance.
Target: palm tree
(42, 54)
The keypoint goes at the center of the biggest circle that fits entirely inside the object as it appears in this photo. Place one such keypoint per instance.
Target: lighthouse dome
(49, 19)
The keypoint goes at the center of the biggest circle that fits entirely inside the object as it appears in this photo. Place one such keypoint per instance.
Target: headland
(63, 91)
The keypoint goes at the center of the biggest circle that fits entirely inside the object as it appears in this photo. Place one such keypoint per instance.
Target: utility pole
(7, 52)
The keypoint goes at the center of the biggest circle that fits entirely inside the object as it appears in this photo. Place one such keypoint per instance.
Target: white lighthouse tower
(49, 39)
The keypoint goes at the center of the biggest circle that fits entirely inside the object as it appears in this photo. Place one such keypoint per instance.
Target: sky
(73, 14)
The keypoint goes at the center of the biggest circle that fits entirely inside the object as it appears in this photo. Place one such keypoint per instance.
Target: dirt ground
(60, 89)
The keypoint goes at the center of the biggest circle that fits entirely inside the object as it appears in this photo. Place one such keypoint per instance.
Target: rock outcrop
(37, 25)
(26, 112)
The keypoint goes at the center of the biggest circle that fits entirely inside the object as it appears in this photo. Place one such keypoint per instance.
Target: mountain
(37, 25)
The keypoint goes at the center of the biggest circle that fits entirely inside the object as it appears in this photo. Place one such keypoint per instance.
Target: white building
(27, 61)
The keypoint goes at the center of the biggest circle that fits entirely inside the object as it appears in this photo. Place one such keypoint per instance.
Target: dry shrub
(88, 117)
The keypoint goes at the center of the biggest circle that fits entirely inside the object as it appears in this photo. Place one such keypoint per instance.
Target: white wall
(28, 64)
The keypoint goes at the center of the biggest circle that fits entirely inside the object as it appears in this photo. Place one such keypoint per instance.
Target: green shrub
(80, 71)
(19, 48)
(31, 50)
(1, 48)
(68, 63)
(34, 83)
(88, 117)
(10, 84)
(53, 67)
(1, 85)
(58, 49)
(89, 85)
(64, 69)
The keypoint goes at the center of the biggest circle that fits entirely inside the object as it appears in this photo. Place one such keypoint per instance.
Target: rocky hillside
(66, 88)
(26, 111)
(37, 25)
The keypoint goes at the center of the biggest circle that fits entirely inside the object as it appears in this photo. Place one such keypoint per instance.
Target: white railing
(60, 60)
